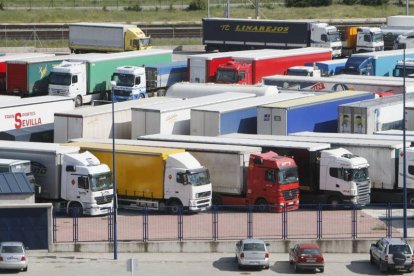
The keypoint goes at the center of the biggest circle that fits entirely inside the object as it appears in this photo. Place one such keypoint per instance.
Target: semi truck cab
(234, 72)
(369, 40)
(135, 39)
(344, 177)
(325, 36)
(399, 69)
(129, 83)
(86, 184)
(69, 79)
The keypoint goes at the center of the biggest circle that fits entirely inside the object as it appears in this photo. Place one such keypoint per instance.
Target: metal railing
(319, 222)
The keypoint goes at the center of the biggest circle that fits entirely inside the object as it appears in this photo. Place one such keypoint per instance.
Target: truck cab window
(74, 79)
(324, 37)
(270, 176)
(180, 178)
(367, 38)
(83, 182)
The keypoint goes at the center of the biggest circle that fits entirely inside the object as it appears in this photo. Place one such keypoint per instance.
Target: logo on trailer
(318, 86)
(169, 176)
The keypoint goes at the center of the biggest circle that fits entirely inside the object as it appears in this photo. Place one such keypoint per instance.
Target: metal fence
(233, 223)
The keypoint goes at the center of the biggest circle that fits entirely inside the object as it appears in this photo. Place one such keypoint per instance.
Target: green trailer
(87, 79)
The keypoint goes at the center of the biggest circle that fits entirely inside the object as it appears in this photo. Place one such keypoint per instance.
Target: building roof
(15, 183)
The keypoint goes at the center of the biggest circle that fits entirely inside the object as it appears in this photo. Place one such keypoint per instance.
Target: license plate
(254, 263)
(399, 266)
(311, 260)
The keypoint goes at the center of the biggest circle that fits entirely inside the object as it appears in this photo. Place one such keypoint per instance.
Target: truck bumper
(94, 210)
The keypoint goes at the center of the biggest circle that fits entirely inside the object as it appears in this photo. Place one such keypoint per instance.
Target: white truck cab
(326, 36)
(308, 71)
(69, 79)
(369, 39)
(129, 83)
(405, 40)
(345, 175)
(86, 184)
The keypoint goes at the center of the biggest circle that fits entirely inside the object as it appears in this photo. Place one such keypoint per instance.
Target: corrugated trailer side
(96, 121)
(139, 170)
(318, 113)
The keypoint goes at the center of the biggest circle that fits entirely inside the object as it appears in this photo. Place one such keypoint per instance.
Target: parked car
(13, 256)
(306, 256)
(392, 254)
(252, 253)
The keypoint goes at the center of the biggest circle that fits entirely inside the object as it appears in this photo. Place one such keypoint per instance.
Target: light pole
(407, 7)
(115, 198)
(404, 152)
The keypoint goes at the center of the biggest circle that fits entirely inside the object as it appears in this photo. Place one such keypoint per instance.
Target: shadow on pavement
(226, 264)
(365, 268)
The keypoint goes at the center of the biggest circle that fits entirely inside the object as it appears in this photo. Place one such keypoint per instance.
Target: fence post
(284, 223)
(249, 222)
(145, 238)
(389, 220)
(54, 226)
(75, 227)
(110, 223)
(319, 222)
(354, 222)
(214, 213)
(180, 224)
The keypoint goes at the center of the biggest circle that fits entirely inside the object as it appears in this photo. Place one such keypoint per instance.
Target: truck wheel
(217, 200)
(75, 209)
(261, 205)
(334, 202)
(175, 207)
(78, 101)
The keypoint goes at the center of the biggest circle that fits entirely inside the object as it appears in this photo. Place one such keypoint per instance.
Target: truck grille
(364, 196)
(121, 92)
(203, 194)
(290, 194)
(204, 203)
(103, 199)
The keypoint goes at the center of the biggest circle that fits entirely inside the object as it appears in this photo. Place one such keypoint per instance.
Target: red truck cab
(234, 72)
(271, 184)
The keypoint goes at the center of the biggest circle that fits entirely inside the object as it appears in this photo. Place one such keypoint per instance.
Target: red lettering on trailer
(318, 86)
(18, 121)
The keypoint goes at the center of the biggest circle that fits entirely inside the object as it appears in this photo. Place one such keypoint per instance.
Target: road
(183, 264)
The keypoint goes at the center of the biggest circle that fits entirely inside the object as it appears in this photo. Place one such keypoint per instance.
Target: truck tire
(217, 200)
(334, 202)
(75, 209)
(261, 205)
(175, 207)
(78, 101)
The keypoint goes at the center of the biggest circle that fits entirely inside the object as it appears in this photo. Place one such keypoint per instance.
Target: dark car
(306, 256)
(392, 254)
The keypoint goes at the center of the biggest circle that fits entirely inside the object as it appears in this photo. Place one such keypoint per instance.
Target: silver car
(13, 256)
(252, 253)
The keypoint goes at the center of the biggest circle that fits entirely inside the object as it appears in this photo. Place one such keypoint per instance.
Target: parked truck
(192, 90)
(327, 68)
(373, 115)
(240, 175)
(237, 116)
(376, 63)
(396, 25)
(229, 34)
(384, 159)
(76, 182)
(87, 79)
(251, 70)
(104, 37)
(326, 175)
(357, 39)
(404, 68)
(156, 178)
(174, 117)
(34, 111)
(134, 82)
(30, 76)
(381, 86)
(316, 113)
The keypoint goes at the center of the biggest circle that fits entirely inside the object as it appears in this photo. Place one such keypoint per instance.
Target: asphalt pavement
(201, 264)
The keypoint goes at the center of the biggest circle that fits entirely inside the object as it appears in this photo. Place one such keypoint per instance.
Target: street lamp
(115, 198)
(404, 152)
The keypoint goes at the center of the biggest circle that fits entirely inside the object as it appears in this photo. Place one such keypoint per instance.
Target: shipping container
(237, 116)
(316, 113)
(174, 117)
(96, 121)
(27, 112)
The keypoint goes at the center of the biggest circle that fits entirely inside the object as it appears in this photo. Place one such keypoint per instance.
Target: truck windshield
(124, 79)
(145, 42)
(288, 175)
(292, 72)
(358, 175)
(59, 78)
(101, 182)
(377, 37)
(399, 71)
(226, 76)
(198, 178)
(334, 37)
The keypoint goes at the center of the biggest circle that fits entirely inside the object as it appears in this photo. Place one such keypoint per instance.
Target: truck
(385, 157)
(327, 68)
(20, 166)
(376, 63)
(357, 39)
(16, 56)
(236, 116)
(88, 78)
(381, 86)
(165, 179)
(33, 111)
(404, 68)
(251, 70)
(238, 173)
(192, 90)
(105, 37)
(174, 117)
(134, 82)
(369, 116)
(396, 25)
(30, 76)
(98, 121)
(326, 175)
(315, 113)
(230, 34)
(72, 181)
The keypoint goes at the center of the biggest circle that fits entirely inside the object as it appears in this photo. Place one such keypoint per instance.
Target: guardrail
(319, 222)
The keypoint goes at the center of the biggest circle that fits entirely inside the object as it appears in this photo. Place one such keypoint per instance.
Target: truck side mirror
(113, 83)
